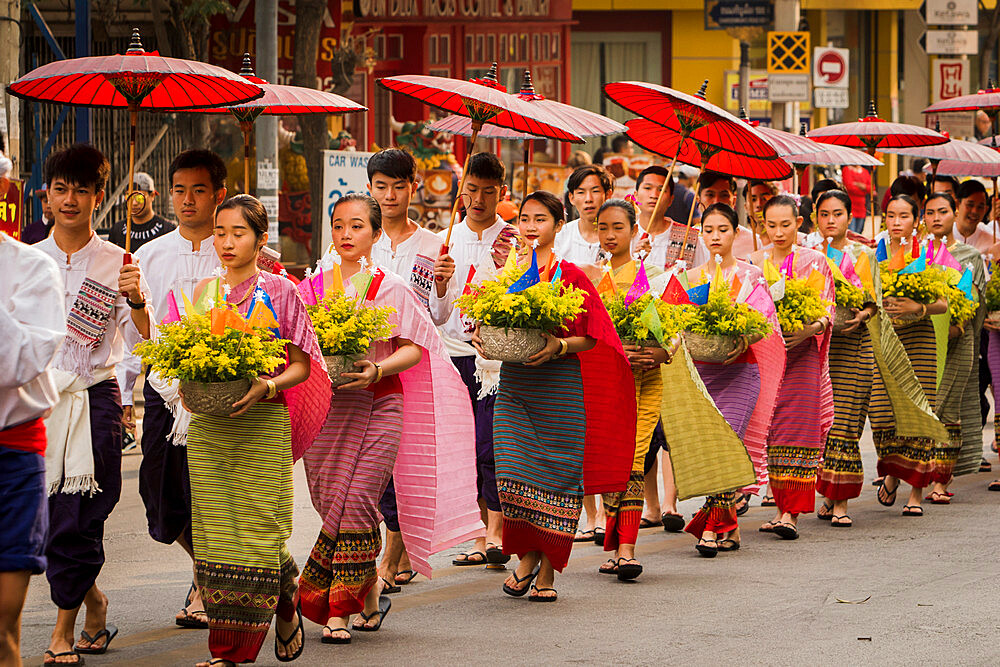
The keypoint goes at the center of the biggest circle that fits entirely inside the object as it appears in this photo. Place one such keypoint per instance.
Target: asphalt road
(892, 590)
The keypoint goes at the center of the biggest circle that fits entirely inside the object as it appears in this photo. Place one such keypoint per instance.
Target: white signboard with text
(343, 172)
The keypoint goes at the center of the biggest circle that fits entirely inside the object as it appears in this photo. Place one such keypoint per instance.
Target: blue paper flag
(834, 254)
(528, 278)
(881, 252)
(558, 274)
(965, 284)
(699, 294)
(916, 266)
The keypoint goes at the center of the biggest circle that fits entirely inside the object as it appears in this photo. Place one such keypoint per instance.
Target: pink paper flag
(930, 250)
(847, 268)
(788, 266)
(173, 312)
(306, 292)
(639, 286)
(760, 299)
(944, 258)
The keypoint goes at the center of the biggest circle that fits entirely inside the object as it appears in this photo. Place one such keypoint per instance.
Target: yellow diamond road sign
(788, 53)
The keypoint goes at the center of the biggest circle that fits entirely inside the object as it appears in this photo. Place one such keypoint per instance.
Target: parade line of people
(429, 441)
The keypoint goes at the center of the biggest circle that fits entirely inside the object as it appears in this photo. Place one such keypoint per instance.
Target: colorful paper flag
(306, 290)
(916, 266)
(760, 300)
(788, 266)
(777, 290)
(834, 254)
(929, 254)
(468, 280)
(361, 280)
(898, 260)
(699, 294)
(736, 287)
(675, 293)
(639, 286)
(262, 311)
(651, 319)
(333, 281)
(816, 280)
(945, 258)
(863, 269)
(528, 278)
(771, 273)
(558, 273)
(547, 271)
(607, 284)
(882, 251)
(916, 246)
(965, 284)
(173, 313)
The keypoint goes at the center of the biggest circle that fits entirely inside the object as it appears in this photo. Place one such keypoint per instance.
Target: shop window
(556, 51)
(504, 54)
(378, 45)
(546, 47)
(432, 50)
(394, 47)
(469, 46)
(444, 49)
(522, 48)
(480, 46)
(536, 50)
(491, 48)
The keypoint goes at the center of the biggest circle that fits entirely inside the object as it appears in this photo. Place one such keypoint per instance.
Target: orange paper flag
(218, 318)
(547, 272)
(816, 280)
(334, 284)
(898, 260)
(863, 268)
(735, 287)
(260, 317)
(607, 284)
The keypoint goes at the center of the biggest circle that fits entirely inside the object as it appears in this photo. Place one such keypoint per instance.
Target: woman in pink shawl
(241, 465)
(362, 443)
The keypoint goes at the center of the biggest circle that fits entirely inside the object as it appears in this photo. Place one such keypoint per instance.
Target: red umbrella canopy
(135, 78)
(689, 115)
(279, 100)
(872, 133)
(798, 149)
(482, 100)
(582, 122)
(462, 125)
(659, 139)
(988, 100)
(958, 158)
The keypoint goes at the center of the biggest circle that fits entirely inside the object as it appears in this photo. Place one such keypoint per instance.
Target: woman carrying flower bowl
(905, 458)
(958, 394)
(367, 433)
(616, 225)
(241, 465)
(564, 422)
(840, 477)
(803, 411)
(735, 384)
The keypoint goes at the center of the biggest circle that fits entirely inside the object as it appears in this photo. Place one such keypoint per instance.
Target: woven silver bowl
(213, 398)
(993, 316)
(341, 363)
(517, 345)
(713, 349)
(841, 318)
(649, 342)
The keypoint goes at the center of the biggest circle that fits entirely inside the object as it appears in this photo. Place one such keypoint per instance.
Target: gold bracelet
(272, 389)
(923, 310)
(563, 348)
(378, 372)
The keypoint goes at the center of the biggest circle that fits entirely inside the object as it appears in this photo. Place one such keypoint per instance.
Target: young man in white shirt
(972, 209)
(589, 186)
(480, 242)
(175, 263)
(32, 326)
(409, 251)
(653, 236)
(106, 314)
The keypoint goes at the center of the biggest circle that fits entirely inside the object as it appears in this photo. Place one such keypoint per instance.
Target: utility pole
(266, 127)
(787, 14)
(10, 117)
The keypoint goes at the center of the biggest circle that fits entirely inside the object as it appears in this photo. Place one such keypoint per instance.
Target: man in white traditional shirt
(589, 186)
(972, 207)
(653, 236)
(175, 263)
(32, 327)
(479, 244)
(107, 314)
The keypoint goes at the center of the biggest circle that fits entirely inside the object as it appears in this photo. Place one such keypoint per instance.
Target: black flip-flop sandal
(649, 523)
(627, 571)
(878, 481)
(299, 628)
(336, 640)
(222, 662)
(191, 620)
(767, 527)
(994, 485)
(540, 598)
(462, 562)
(496, 556)
(706, 551)
(407, 574)
(612, 570)
(913, 510)
(731, 545)
(985, 466)
(743, 504)
(825, 512)
(786, 531)
(584, 536)
(672, 523)
(384, 605)
(109, 631)
(938, 498)
(518, 592)
(887, 502)
(53, 655)
(599, 537)
(389, 588)
(837, 524)
(768, 501)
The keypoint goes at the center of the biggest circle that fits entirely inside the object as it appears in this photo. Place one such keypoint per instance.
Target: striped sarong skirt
(840, 475)
(734, 388)
(624, 510)
(348, 468)
(539, 429)
(908, 459)
(795, 440)
(241, 516)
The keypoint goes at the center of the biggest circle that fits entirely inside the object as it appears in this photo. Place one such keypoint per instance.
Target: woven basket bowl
(713, 349)
(517, 345)
(841, 317)
(214, 398)
(341, 363)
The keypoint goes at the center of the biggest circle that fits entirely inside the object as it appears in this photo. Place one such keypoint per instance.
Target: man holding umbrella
(146, 224)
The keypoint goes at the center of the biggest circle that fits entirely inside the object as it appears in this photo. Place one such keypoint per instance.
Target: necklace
(249, 291)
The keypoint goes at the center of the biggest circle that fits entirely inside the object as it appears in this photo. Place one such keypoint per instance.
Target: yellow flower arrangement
(722, 316)
(627, 319)
(188, 350)
(925, 287)
(848, 295)
(544, 305)
(801, 304)
(344, 326)
(961, 309)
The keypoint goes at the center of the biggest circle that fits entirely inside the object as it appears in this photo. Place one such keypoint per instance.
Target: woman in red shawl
(564, 422)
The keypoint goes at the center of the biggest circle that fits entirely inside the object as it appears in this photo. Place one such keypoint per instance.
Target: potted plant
(346, 328)
(512, 323)
(214, 364)
(712, 329)
(924, 287)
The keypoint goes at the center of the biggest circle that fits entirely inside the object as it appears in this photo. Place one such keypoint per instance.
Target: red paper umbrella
(136, 80)
(872, 133)
(957, 158)
(797, 149)
(483, 101)
(279, 100)
(987, 101)
(659, 139)
(462, 126)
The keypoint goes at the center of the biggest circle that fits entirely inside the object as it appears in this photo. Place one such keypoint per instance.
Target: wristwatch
(135, 306)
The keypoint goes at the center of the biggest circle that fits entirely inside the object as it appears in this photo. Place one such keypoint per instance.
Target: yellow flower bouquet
(802, 304)
(711, 329)
(629, 321)
(512, 323)
(346, 328)
(991, 295)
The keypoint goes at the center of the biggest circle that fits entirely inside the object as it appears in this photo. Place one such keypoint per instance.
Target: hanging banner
(12, 209)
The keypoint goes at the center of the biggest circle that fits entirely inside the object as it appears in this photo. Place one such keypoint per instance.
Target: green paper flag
(651, 319)
(361, 281)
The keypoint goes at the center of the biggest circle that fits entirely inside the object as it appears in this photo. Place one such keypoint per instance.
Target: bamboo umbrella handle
(246, 157)
(694, 205)
(476, 127)
(660, 208)
(133, 113)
